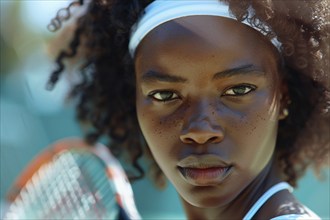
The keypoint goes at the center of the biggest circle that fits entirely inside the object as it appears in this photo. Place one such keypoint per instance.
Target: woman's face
(208, 95)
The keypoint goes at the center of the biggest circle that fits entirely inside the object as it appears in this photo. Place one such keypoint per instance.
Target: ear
(285, 100)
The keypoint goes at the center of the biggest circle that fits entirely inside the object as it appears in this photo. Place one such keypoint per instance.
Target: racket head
(71, 179)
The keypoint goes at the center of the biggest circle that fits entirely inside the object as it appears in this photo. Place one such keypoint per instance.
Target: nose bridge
(201, 124)
(200, 111)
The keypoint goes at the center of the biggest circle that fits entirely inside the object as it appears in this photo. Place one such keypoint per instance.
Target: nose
(202, 132)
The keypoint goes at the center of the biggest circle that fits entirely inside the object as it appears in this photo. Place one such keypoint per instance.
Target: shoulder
(296, 217)
(308, 215)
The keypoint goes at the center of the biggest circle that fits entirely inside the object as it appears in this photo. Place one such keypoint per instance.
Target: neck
(238, 207)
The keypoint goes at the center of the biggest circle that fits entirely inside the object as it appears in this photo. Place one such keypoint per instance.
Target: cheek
(159, 131)
(260, 117)
(257, 130)
(161, 135)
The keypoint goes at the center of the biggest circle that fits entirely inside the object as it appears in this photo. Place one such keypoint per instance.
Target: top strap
(262, 200)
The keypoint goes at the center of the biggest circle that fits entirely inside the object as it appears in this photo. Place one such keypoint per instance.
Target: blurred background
(32, 117)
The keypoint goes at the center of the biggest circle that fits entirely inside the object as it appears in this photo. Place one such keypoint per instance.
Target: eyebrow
(152, 76)
(241, 70)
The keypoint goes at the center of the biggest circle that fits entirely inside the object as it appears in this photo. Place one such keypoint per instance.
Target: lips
(204, 170)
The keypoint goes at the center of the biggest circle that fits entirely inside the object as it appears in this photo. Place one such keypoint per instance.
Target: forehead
(203, 39)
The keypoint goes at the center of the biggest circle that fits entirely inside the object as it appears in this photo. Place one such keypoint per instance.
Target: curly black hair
(102, 34)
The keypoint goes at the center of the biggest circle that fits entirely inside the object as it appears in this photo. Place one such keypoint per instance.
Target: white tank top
(269, 193)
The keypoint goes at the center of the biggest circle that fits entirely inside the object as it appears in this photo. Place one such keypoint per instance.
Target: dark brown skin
(100, 51)
(184, 110)
(205, 120)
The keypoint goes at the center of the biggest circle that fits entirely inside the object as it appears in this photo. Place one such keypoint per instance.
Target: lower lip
(205, 176)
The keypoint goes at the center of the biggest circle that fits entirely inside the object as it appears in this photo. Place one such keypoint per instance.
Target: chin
(205, 198)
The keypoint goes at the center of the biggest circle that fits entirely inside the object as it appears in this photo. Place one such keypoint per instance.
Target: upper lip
(202, 162)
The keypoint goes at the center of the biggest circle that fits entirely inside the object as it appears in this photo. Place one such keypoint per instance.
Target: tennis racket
(72, 180)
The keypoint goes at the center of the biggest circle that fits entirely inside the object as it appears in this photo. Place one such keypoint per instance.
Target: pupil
(239, 90)
(166, 95)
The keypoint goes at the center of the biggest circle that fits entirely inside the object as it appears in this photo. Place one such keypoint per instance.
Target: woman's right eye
(163, 96)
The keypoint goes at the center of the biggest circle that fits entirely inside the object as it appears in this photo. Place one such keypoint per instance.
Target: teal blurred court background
(31, 117)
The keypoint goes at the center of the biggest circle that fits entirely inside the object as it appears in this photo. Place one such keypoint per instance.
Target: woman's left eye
(239, 90)
(163, 96)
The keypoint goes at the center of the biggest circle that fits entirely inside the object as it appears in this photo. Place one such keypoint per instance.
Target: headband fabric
(161, 11)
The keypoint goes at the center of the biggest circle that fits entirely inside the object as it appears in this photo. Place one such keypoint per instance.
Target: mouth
(204, 170)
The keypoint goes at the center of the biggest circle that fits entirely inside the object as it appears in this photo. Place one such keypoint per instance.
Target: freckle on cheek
(249, 128)
(261, 117)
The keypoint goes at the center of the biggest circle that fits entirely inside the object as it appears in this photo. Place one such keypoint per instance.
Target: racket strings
(74, 185)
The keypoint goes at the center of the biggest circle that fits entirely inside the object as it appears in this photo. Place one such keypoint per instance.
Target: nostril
(214, 139)
(187, 140)
(202, 132)
(201, 138)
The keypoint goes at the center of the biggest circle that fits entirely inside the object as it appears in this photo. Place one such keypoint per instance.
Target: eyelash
(153, 94)
(172, 93)
(250, 88)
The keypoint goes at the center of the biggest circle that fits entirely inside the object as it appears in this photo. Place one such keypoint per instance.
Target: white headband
(161, 11)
